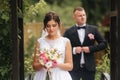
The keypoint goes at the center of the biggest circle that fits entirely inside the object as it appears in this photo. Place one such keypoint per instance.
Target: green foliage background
(5, 41)
(96, 13)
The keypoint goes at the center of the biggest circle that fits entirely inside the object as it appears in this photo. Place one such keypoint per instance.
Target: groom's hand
(78, 50)
(86, 49)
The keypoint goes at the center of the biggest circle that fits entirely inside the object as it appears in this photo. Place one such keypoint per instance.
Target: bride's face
(52, 28)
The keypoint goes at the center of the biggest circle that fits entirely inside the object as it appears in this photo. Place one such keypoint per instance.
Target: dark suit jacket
(72, 34)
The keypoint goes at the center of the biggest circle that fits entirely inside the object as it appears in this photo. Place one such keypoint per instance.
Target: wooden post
(17, 39)
(115, 40)
(118, 37)
(15, 57)
(21, 40)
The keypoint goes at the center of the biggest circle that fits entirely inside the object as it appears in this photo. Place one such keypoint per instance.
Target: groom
(83, 38)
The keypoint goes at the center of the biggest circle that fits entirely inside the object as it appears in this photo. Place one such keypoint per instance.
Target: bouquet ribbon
(48, 76)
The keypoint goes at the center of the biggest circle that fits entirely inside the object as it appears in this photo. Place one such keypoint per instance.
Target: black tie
(83, 27)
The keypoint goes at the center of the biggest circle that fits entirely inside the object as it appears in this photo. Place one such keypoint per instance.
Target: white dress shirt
(81, 35)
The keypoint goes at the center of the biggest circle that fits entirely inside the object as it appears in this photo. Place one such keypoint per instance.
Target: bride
(53, 40)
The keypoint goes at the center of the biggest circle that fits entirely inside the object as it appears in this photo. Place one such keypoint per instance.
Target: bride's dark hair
(51, 16)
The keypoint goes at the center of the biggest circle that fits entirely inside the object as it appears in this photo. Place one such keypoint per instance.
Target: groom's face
(80, 17)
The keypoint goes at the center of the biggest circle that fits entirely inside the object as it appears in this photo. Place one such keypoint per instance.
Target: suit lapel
(76, 36)
(86, 34)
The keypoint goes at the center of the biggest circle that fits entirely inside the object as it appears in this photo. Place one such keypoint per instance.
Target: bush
(104, 67)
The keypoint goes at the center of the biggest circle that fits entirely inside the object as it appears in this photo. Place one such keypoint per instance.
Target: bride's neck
(53, 37)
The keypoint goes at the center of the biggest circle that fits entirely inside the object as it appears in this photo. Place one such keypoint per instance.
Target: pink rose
(44, 57)
(54, 63)
(91, 36)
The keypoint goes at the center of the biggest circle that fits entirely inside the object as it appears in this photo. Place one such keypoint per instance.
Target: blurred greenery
(104, 67)
(96, 10)
(64, 8)
(36, 12)
(5, 41)
(29, 56)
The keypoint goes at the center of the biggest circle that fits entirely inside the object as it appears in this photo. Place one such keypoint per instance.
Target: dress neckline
(52, 42)
(47, 39)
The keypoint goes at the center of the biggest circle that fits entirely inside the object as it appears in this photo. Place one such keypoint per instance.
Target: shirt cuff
(74, 50)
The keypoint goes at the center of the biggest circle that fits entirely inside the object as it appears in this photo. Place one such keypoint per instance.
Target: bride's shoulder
(65, 38)
(40, 39)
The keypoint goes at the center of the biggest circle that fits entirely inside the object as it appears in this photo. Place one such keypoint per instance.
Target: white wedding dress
(56, 73)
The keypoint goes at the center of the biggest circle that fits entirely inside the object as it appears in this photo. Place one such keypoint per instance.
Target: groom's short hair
(78, 8)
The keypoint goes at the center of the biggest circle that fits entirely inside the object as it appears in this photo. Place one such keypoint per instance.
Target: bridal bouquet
(49, 58)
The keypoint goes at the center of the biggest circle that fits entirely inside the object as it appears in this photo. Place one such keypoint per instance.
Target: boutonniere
(91, 36)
